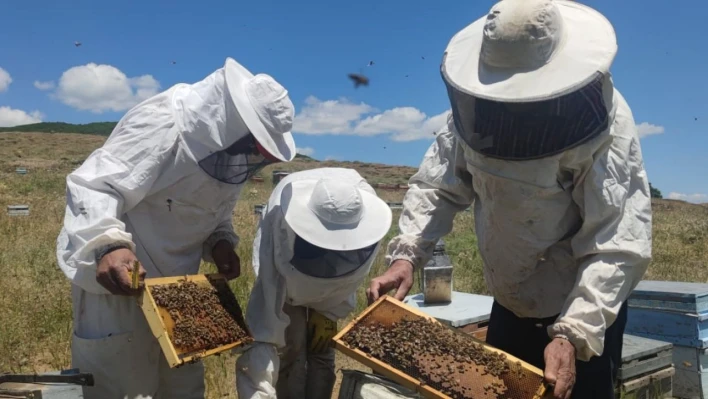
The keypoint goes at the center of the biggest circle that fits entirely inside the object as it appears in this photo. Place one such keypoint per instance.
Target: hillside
(39, 339)
(98, 128)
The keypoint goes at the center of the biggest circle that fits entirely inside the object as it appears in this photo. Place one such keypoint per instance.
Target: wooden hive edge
(404, 378)
(159, 330)
(157, 325)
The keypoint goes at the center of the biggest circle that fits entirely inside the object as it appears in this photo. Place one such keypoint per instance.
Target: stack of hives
(677, 313)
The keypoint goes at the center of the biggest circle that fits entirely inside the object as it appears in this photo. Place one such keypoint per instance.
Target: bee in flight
(359, 79)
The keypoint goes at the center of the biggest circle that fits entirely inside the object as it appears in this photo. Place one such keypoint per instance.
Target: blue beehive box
(674, 296)
(670, 311)
(675, 312)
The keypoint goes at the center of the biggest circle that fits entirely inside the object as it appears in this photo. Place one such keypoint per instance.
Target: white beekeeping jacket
(568, 234)
(279, 282)
(145, 189)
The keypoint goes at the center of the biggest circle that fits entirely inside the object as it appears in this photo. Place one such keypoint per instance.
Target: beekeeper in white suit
(319, 236)
(162, 189)
(547, 150)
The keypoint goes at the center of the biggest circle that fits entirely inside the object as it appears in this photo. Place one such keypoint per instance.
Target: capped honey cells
(205, 316)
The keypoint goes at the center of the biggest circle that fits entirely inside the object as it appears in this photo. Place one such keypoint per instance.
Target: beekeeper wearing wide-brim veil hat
(546, 148)
(162, 190)
(319, 236)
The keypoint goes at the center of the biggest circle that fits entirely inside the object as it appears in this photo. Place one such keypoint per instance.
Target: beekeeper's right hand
(114, 270)
(399, 277)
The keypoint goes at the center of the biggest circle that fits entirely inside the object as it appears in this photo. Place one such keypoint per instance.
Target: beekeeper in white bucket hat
(319, 236)
(546, 148)
(162, 190)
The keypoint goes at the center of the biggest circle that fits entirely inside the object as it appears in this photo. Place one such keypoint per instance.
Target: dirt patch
(205, 316)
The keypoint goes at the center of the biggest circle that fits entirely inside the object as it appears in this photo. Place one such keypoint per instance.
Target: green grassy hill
(98, 128)
(95, 128)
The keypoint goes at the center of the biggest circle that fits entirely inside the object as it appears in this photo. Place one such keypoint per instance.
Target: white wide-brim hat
(265, 107)
(529, 50)
(335, 215)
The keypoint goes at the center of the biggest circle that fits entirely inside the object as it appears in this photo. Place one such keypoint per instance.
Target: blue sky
(310, 46)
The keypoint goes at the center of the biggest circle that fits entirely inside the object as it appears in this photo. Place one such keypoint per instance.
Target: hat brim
(281, 146)
(589, 45)
(371, 228)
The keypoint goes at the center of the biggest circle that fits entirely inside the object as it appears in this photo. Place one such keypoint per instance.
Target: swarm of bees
(205, 316)
(440, 358)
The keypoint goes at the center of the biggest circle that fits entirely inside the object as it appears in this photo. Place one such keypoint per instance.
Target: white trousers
(113, 341)
(303, 374)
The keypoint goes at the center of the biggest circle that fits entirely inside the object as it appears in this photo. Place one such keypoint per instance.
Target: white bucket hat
(265, 107)
(530, 50)
(335, 215)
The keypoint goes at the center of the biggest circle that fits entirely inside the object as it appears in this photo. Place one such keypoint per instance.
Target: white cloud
(331, 158)
(694, 198)
(44, 85)
(100, 88)
(309, 151)
(647, 129)
(10, 117)
(5, 80)
(342, 117)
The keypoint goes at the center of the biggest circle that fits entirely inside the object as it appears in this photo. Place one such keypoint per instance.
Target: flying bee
(358, 79)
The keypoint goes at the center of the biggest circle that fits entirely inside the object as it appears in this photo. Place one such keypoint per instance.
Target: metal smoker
(437, 277)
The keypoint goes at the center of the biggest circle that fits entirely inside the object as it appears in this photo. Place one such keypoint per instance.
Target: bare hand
(399, 277)
(114, 272)
(560, 367)
(226, 260)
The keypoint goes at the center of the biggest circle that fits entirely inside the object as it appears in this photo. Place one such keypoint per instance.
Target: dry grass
(34, 294)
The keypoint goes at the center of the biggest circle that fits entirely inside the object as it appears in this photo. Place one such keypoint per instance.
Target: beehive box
(675, 312)
(685, 329)
(18, 210)
(691, 379)
(643, 355)
(278, 175)
(359, 385)
(671, 311)
(193, 317)
(440, 373)
(673, 296)
(656, 385)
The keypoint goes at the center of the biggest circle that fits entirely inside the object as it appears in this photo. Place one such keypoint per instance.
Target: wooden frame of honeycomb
(520, 379)
(162, 324)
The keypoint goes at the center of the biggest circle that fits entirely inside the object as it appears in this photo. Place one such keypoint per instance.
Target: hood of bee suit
(207, 117)
(531, 78)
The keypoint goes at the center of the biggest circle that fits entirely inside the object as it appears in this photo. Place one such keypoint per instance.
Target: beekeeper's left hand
(226, 260)
(320, 331)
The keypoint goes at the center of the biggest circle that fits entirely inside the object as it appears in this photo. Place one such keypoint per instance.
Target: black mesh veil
(529, 130)
(323, 263)
(237, 163)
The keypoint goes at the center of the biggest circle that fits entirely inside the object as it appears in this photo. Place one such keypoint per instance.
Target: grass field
(34, 294)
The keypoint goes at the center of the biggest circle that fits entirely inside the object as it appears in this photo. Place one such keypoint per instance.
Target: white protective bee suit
(279, 364)
(562, 215)
(163, 186)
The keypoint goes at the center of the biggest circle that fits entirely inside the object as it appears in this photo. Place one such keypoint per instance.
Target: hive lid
(675, 296)
(463, 309)
(635, 347)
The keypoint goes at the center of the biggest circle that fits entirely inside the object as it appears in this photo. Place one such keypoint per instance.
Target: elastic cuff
(214, 238)
(575, 336)
(102, 251)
